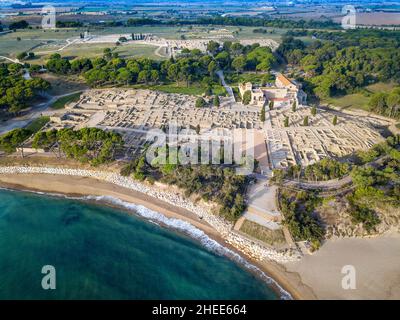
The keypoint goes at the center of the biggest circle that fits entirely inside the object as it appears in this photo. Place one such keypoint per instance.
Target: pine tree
(216, 101)
(294, 106)
(208, 91)
(286, 122)
(334, 121)
(314, 111)
(305, 121)
(262, 116)
(271, 105)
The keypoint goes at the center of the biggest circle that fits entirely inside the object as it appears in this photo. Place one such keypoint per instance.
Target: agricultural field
(45, 42)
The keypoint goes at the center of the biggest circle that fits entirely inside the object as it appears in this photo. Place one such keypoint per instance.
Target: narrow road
(227, 88)
(69, 42)
(12, 60)
(327, 185)
(37, 111)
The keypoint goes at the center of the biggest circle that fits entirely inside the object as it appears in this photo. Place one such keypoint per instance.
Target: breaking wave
(194, 233)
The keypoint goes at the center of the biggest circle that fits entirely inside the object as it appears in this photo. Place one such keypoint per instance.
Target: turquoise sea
(102, 252)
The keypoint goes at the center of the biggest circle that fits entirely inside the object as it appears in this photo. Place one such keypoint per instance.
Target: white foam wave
(194, 233)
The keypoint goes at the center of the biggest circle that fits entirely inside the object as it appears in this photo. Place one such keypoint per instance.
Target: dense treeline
(226, 21)
(21, 24)
(386, 104)
(190, 66)
(376, 186)
(219, 184)
(10, 141)
(15, 91)
(299, 216)
(260, 22)
(69, 24)
(326, 169)
(346, 61)
(87, 145)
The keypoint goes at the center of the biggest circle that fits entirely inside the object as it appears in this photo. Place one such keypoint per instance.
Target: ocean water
(100, 252)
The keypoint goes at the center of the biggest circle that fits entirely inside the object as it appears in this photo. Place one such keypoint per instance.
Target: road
(38, 111)
(326, 185)
(227, 88)
(12, 60)
(69, 42)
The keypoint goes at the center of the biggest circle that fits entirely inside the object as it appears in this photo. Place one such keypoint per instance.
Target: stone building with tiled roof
(284, 90)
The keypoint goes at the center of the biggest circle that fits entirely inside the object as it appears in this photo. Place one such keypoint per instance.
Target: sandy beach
(318, 276)
(376, 261)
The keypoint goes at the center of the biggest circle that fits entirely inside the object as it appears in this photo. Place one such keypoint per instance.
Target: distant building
(284, 90)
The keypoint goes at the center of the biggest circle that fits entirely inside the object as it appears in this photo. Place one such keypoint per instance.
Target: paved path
(12, 60)
(227, 88)
(69, 42)
(41, 109)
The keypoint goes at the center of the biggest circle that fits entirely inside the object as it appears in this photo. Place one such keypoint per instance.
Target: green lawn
(61, 102)
(271, 237)
(193, 89)
(37, 124)
(359, 100)
(255, 78)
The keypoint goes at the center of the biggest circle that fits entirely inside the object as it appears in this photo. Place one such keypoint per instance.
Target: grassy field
(38, 40)
(96, 50)
(194, 89)
(37, 124)
(271, 237)
(61, 85)
(359, 100)
(33, 40)
(61, 102)
(255, 78)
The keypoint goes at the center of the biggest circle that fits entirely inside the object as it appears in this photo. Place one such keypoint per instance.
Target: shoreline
(93, 189)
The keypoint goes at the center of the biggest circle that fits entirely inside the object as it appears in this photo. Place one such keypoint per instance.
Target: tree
(213, 47)
(173, 72)
(22, 55)
(239, 63)
(246, 97)
(154, 76)
(44, 139)
(22, 24)
(294, 106)
(212, 67)
(262, 115)
(107, 54)
(143, 76)
(305, 121)
(271, 105)
(335, 120)
(200, 103)
(208, 91)
(314, 111)
(216, 101)
(14, 139)
(286, 122)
